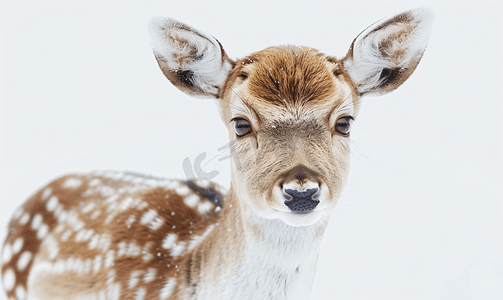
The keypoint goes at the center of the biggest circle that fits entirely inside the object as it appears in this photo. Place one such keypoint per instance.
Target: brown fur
(287, 76)
(168, 205)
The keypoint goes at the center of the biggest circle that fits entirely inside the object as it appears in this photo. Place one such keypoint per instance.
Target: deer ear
(192, 60)
(385, 54)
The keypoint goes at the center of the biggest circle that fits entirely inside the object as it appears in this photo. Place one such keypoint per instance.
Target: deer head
(288, 109)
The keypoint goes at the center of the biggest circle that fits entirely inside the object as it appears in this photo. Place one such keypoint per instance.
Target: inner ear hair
(384, 55)
(194, 61)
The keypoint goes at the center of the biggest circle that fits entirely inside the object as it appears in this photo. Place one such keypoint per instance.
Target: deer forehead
(287, 82)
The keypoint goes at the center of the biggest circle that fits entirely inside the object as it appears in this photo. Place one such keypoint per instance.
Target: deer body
(288, 109)
(105, 236)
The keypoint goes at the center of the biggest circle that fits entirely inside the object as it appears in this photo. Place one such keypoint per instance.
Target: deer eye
(242, 127)
(343, 125)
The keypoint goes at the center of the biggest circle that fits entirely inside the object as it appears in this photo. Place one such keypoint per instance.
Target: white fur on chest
(281, 266)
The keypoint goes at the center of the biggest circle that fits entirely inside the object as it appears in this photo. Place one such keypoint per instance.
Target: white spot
(17, 245)
(125, 204)
(84, 235)
(113, 290)
(204, 207)
(130, 221)
(90, 206)
(182, 190)
(6, 254)
(52, 246)
(203, 183)
(147, 256)
(142, 205)
(20, 293)
(168, 288)
(94, 182)
(72, 183)
(69, 264)
(42, 231)
(87, 266)
(140, 294)
(191, 200)
(218, 209)
(89, 233)
(150, 276)
(136, 203)
(169, 241)
(134, 279)
(178, 249)
(37, 220)
(157, 223)
(59, 213)
(17, 213)
(109, 259)
(24, 219)
(134, 249)
(152, 218)
(66, 235)
(111, 199)
(9, 280)
(97, 264)
(105, 242)
(110, 277)
(122, 249)
(94, 241)
(106, 191)
(76, 265)
(95, 214)
(46, 193)
(59, 228)
(112, 207)
(23, 260)
(148, 217)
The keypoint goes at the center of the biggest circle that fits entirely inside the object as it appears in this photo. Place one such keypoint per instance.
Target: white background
(422, 214)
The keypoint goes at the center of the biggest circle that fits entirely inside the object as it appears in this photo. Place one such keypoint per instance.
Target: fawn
(288, 110)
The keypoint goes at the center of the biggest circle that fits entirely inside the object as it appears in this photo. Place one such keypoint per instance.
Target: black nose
(301, 201)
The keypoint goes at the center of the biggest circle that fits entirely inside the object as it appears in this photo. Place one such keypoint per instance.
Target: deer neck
(253, 255)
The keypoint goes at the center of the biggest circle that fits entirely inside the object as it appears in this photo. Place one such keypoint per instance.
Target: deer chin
(295, 219)
(300, 219)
